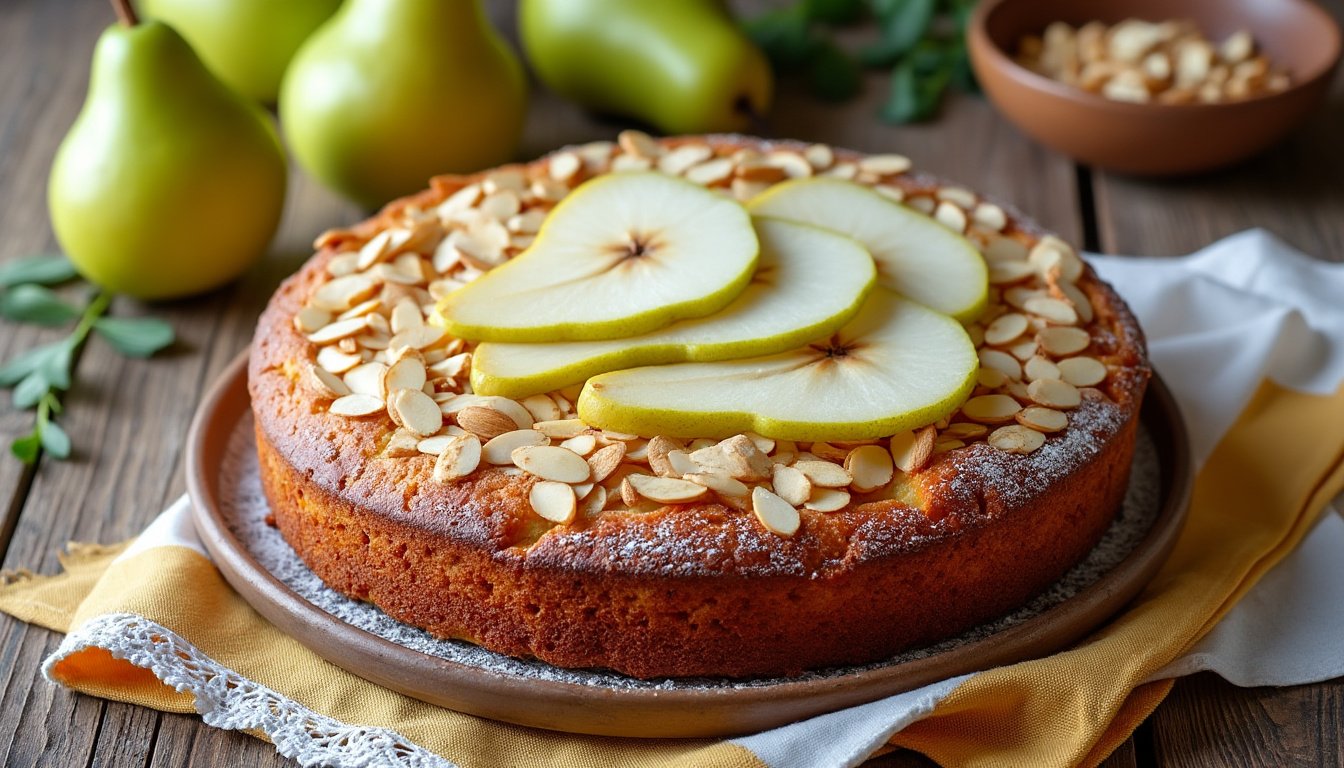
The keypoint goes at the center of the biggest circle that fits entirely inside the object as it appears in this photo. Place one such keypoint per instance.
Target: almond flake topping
(777, 515)
(553, 501)
(550, 462)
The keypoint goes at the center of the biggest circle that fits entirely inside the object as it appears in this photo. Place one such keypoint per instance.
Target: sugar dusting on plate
(244, 508)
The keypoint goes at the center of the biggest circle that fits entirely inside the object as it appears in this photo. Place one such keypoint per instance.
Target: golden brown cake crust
(694, 589)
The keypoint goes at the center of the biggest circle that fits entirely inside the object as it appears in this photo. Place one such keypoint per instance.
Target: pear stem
(125, 12)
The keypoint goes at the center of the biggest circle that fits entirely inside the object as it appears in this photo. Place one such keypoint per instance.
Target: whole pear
(680, 65)
(388, 93)
(246, 43)
(168, 183)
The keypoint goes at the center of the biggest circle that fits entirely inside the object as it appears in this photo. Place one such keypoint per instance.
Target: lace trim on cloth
(226, 699)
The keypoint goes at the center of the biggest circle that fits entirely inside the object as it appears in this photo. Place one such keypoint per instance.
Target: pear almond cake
(696, 406)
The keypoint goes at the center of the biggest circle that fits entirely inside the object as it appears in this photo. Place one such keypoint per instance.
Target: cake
(966, 518)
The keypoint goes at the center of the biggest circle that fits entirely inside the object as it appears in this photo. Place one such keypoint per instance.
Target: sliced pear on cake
(621, 255)
(897, 365)
(916, 256)
(808, 284)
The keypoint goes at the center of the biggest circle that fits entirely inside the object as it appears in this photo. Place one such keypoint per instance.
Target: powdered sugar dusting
(244, 507)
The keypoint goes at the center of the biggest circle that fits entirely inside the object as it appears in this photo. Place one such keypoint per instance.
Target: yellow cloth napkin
(157, 625)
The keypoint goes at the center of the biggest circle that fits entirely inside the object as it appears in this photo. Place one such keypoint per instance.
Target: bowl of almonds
(1155, 87)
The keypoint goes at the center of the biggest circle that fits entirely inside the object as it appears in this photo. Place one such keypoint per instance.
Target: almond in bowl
(700, 406)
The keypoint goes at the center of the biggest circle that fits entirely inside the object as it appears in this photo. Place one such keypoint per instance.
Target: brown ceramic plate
(679, 712)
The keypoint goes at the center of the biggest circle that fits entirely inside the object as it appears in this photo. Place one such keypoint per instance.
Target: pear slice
(621, 255)
(808, 284)
(897, 365)
(916, 256)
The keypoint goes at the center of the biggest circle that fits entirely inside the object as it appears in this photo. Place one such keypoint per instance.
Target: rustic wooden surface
(129, 418)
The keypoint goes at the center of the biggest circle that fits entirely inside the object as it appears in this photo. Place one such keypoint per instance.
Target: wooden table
(129, 418)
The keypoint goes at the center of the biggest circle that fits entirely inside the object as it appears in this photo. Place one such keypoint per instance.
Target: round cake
(433, 515)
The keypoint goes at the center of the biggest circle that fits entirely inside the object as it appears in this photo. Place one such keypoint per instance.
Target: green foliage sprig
(39, 375)
(921, 42)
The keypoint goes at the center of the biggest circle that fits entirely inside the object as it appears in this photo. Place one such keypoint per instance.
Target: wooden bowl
(1156, 139)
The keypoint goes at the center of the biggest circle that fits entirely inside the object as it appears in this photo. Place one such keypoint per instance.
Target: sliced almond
(367, 379)
(666, 490)
(553, 501)
(581, 444)
(1040, 368)
(435, 445)
(682, 158)
(1006, 328)
(499, 449)
(1016, 439)
(1082, 371)
(757, 465)
(563, 429)
(1054, 393)
(829, 452)
(551, 462)
(541, 407)
(965, 430)
(639, 143)
(870, 466)
(563, 166)
(594, 502)
(460, 457)
(336, 361)
(342, 293)
(406, 315)
(827, 500)
(910, 451)
(885, 165)
(819, 156)
(1062, 340)
(991, 409)
(1001, 361)
(990, 216)
(341, 329)
(659, 448)
(990, 378)
(681, 463)
(406, 373)
(710, 172)
(794, 165)
(324, 383)
(791, 485)
(1056, 311)
(824, 473)
(401, 444)
(777, 515)
(416, 411)
(950, 216)
(1004, 272)
(356, 405)
(719, 483)
(485, 422)
(310, 319)
(1042, 419)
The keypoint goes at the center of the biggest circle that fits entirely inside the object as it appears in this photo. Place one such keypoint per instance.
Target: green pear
(246, 43)
(388, 93)
(683, 66)
(168, 183)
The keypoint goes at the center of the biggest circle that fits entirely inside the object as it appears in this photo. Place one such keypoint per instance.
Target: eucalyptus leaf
(784, 35)
(30, 391)
(15, 370)
(43, 270)
(54, 440)
(26, 447)
(135, 336)
(59, 366)
(30, 303)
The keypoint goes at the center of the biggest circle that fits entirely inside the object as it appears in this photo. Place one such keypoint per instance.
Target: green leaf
(832, 74)
(29, 303)
(54, 440)
(784, 35)
(43, 270)
(26, 447)
(30, 391)
(135, 336)
(59, 367)
(15, 370)
(904, 23)
(836, 12)
(915, 91)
